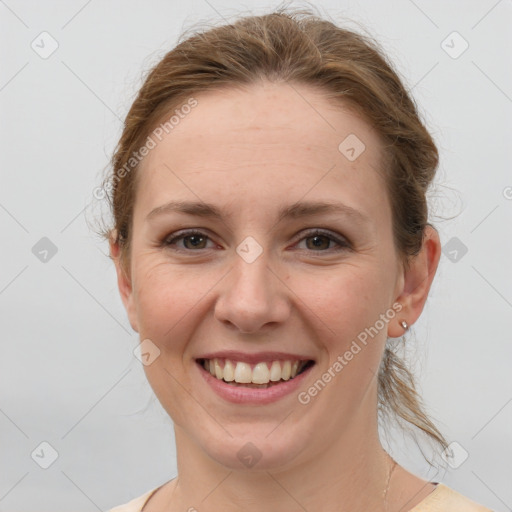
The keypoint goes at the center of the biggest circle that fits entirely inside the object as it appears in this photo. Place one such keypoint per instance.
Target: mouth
(255, 375)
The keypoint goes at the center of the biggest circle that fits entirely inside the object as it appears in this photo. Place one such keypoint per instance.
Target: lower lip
(243, 395)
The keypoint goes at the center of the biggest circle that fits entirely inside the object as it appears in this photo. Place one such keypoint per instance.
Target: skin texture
(250, 152)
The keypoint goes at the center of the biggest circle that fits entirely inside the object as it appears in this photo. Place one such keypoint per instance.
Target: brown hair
(298, 47)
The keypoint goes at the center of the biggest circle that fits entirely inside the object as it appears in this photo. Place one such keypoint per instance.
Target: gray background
(68, 376)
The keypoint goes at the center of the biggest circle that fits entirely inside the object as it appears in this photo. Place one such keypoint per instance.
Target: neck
(350, 474)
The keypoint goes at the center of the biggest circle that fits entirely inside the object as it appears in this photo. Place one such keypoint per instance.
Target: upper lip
(256, 357)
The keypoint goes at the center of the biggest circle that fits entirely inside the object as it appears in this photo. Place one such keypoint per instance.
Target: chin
(257, 451)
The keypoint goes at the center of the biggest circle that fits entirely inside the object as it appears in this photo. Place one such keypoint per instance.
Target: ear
(417, 279)
(124, 283)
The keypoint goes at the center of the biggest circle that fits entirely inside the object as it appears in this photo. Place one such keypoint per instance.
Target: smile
(253, 380)
(259, 375)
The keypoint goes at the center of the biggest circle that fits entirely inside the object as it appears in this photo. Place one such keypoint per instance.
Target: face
(253, 286)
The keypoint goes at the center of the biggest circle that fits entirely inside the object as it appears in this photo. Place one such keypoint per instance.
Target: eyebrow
(293, 211)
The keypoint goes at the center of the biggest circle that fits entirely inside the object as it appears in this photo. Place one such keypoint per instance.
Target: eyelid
(178, 235)
(343, 243)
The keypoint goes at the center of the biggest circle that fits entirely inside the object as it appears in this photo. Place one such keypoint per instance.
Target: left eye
(317, 236)
(197, 239)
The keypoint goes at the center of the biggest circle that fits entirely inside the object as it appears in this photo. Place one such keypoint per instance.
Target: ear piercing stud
(404, 324)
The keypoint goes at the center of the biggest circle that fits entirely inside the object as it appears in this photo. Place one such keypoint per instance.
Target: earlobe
(124, 284)
(417, 280)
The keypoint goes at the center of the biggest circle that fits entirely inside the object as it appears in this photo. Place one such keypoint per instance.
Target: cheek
(165, 296)
(168, 301)
(348, 301)
(350, 304)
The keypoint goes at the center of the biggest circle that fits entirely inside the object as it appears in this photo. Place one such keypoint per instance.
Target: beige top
(441, 499)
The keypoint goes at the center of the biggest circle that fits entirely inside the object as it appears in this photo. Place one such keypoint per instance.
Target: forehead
(265, 140)
(272, 114)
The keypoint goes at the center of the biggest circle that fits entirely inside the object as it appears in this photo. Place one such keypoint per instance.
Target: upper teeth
(261, 373)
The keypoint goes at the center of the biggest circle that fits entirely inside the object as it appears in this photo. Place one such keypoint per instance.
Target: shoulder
(136, 504)
(445, 499)
(441, 499)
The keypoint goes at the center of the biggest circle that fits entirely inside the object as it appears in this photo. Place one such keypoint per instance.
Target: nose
(253, 297)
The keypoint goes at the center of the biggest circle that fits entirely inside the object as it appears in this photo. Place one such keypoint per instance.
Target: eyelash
(343, 243)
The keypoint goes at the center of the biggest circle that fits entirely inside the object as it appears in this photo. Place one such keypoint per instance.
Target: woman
(270, 236)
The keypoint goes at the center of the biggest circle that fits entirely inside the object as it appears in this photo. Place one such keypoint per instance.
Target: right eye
(196, 240)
